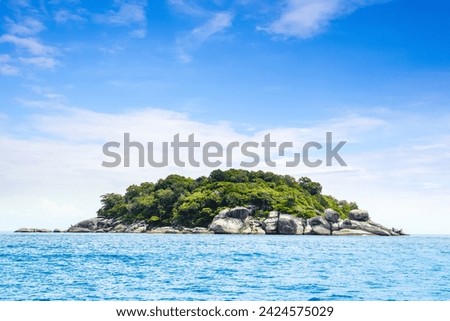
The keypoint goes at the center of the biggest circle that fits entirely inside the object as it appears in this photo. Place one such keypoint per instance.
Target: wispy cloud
(187, 7)
(6, 68)
(20, 3)
(130, 14)
(32, 45)
(138, 33)
(40, 62)
(48, 100)
(194, 39)
(66, 143)
(63, 16)
(28, 50)
(28, 26)
(307, 18)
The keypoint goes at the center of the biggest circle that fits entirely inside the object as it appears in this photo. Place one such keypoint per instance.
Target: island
(233, 201)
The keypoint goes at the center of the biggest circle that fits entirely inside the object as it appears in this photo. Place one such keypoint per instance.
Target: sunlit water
(222, 267)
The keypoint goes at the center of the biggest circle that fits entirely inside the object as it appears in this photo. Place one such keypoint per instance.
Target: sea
(48, 267)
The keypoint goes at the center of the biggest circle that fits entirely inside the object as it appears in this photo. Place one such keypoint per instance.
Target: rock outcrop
(330, 223)
(319, 226)
(359, 215)
(75, 229)
(105, 225)
(278, 223)
(331, 215)
(32, 230)
(180, 230)
(240, 220)
(237, 220)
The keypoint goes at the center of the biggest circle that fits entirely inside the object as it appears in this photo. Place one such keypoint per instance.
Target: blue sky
(76, 74)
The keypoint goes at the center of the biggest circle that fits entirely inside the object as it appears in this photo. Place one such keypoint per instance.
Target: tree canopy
(183, 201)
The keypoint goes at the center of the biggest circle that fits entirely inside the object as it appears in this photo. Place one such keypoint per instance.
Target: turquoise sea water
(222, 267)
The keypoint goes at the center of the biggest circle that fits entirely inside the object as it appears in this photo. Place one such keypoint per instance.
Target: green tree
(179, 200)
(307, 184)
(113, 205)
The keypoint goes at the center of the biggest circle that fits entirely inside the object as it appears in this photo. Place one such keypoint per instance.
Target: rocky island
(229, 202)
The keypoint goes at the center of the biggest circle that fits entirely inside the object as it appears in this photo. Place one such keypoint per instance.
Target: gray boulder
(344, 227)
(346, 224)
(119, 228)
(375, 229)
(164, 230)
(25, 230)
(331, 215)
(236, 221)
(252, 226)
(335, 227)
(240, 213)
(226, 225)
(32, 230)
(396, 232)
(270, 225)
(351, 232)
(76, 229)
(90, 224)
(273, 214)
(319, 226)
(302, 226)
(358, 215)
(106, 224)
(307, 230)
(200, 230)
(140, 229)
(278, 223)
(288, 224)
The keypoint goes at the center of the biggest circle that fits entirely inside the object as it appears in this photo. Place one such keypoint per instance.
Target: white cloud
(45, 104)
(38, 169)
(40, 62)
(187, 7)
(128, 14)
(30, 49)
(54, 177)
(21, 3)
(6, 68)
(28, 26)
(63, 16)
(216, 24)
(307, 18)
(138, 33)
(32, 45)
(5, 58)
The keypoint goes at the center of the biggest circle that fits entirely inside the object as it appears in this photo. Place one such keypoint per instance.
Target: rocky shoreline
(239, 220)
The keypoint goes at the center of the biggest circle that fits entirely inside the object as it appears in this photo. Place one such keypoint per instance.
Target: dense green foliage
(182, 201)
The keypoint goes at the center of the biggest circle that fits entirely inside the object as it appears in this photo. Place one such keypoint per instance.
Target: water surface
(222, 267)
